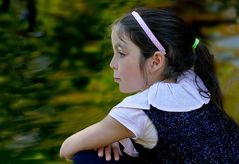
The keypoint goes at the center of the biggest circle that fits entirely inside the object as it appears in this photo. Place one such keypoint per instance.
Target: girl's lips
(117, 79)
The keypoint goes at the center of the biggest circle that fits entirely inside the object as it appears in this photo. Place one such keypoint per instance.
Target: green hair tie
(195, 44)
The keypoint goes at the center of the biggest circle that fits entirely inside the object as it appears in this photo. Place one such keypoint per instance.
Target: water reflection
(226, 52)
(227, 49)
(231, 42)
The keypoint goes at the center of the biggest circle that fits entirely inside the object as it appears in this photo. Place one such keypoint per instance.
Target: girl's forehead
(119, 40)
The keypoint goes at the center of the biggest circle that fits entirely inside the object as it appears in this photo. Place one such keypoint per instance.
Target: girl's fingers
(101, 152)
(108, 153)
(116, 151)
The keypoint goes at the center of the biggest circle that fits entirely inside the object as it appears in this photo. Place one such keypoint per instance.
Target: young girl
(177, 114)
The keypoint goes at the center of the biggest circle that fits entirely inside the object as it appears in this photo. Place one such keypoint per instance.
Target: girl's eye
(121, 54)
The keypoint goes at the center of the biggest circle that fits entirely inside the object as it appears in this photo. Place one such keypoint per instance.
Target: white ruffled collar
(182, 96)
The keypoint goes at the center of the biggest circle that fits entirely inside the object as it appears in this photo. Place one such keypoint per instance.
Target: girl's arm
(98, 135)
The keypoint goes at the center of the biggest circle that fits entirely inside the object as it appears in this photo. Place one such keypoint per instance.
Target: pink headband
(148, 32)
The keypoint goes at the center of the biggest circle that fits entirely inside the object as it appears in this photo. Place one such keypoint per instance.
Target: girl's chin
(127, 90)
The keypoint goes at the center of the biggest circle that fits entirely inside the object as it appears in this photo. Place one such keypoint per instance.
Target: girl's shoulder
(132, 118)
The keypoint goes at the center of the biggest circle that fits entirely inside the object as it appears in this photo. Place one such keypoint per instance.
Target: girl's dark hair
(176, 38)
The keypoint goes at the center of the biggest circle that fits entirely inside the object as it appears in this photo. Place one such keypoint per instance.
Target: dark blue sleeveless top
(205, 135)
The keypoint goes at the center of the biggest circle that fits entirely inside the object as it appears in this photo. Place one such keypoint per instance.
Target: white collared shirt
(182, 96)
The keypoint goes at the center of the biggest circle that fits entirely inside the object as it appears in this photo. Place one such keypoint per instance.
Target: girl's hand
(107, 151)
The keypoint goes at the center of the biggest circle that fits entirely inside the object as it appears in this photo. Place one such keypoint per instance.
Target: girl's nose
(113, 63)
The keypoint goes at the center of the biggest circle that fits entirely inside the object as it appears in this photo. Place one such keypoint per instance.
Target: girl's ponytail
(205, 69)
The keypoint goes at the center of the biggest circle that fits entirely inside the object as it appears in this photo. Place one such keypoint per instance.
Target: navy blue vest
(205, 135)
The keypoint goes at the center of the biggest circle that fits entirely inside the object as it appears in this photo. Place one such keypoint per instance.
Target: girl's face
(126, 64)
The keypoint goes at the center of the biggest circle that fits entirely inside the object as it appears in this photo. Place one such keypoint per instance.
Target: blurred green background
(54, 66)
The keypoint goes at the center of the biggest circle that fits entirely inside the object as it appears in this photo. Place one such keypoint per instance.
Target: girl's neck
(146, 86)
(171, 80)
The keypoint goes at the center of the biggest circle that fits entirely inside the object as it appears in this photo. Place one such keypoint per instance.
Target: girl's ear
(156, 62)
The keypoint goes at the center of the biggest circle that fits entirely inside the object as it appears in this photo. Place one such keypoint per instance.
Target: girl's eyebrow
(120, 46)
